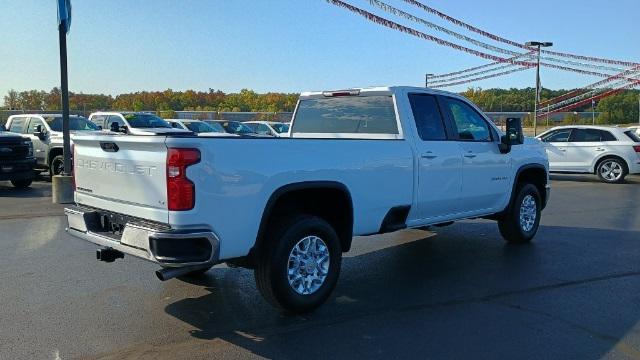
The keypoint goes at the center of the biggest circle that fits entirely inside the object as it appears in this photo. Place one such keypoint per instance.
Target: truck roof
(375, 90)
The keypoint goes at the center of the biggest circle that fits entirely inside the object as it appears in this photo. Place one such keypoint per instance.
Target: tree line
(211, 100)
(617, 109)
(621, 108)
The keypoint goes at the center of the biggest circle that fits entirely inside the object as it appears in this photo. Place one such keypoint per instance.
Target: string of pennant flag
(618, 74)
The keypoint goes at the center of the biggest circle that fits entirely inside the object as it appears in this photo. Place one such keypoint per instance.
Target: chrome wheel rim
(528, 213)
(611, 170)
(308, 265)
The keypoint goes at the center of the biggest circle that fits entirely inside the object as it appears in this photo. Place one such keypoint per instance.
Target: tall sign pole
(64, 23)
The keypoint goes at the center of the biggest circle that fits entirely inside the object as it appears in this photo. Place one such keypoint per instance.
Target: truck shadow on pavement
(573, 293)
(590, 178)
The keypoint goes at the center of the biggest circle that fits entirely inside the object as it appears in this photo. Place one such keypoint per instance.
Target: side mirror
(514, 135)
(37, 131)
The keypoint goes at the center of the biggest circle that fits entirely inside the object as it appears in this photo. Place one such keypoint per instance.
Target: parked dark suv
(16, 159)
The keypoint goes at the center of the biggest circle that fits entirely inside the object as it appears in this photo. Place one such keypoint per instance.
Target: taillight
(181, 194)
(637, 148)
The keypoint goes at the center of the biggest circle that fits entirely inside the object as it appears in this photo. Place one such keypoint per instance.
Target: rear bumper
(169, 248)
(17, 169)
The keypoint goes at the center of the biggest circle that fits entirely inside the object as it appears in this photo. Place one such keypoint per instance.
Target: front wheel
(57, 166)
(299, 266)
(520, 223)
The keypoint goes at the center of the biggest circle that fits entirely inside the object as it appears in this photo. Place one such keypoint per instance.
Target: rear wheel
(21, 184)
(299, 266)
(520, 223)
(612, 170)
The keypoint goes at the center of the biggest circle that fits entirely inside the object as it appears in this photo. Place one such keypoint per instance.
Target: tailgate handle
(109, 146)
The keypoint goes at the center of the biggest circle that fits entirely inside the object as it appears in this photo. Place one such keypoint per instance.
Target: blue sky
(120, 46)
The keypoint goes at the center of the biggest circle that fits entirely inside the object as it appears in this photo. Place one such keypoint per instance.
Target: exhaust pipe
(165, 274)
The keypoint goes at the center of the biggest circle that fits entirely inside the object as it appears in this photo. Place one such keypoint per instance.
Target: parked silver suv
(45, 132)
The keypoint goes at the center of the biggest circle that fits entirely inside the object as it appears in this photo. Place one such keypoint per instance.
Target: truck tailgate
(122, 174)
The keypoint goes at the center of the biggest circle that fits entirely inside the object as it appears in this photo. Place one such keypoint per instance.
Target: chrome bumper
(136, 240)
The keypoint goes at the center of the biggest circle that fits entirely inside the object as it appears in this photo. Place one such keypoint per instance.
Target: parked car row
(43, 134)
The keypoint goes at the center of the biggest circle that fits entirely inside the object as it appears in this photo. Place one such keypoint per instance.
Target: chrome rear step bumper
(169, 248)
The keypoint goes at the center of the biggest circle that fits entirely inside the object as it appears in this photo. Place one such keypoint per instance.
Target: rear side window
(17, 125)
(586, 135)
(426, 113)
(607, 136)
(346, 115)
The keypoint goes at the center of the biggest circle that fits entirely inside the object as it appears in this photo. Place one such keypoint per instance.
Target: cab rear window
(346, 115)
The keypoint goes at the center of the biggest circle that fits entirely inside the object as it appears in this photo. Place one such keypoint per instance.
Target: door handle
(600, 149)
(429, 155)
(561, 149)
(470, 155)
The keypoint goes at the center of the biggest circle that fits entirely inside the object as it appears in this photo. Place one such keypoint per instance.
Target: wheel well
(536, 176)
(624, 162)
(329, 201)
(52, 154)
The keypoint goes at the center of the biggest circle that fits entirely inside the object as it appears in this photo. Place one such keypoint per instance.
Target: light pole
(426, 79)
(538, 45)
(593, 112)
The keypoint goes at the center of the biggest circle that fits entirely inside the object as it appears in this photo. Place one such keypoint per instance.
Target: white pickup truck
(358, 162)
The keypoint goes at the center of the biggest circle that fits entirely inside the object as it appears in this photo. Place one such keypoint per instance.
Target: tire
(21, 184)
(512, 229)
(290, 241)
(56, 167)
(612, 170)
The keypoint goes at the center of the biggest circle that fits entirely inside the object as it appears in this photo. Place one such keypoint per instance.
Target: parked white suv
(611, 153)
(188, 202)
(136, 123)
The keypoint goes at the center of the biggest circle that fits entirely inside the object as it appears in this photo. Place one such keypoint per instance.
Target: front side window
(114, 119)
(557, 136)
(346, 115)
(470, 125)
(33, 124)
(426, 113)
(17, 125)
(199, 127)
(280, 128)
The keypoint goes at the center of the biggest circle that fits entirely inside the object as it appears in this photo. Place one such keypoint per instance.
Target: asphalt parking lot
(457, 293)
